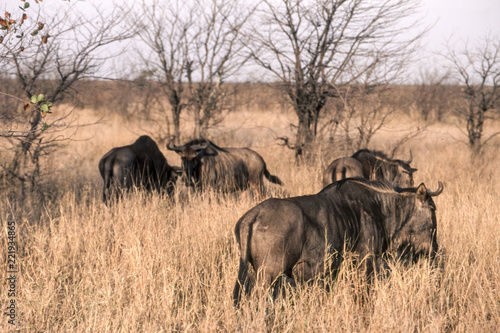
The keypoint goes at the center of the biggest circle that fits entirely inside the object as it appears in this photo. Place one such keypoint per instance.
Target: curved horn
(411, 158)
(174, 148)
(438, 191)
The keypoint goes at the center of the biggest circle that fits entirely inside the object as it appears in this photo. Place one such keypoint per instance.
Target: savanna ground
(151, 264)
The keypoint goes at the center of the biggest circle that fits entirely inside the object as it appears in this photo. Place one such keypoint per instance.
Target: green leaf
(45, 126)
(34, 99)
(40, 97)
(26, 5)
(44, 108)
(35, 32)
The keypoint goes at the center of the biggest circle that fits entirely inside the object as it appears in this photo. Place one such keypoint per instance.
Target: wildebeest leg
(266, 282)
(382, 267)
(370, 268)
(243, 283)
(279, 285)
(305, 271)
(105, 194)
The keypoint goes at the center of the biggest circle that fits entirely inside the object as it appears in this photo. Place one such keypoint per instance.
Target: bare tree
(478, 70)
(215, 56)
(316, 48)
(365, 110)
(47, 70)
(194, 44)
(166, 26)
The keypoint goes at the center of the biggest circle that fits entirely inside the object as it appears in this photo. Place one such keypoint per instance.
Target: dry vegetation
(152, 264)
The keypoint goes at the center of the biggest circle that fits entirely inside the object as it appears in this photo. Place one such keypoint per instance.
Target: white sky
(461, 20)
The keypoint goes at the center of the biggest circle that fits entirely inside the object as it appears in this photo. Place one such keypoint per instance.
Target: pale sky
(461, 20)
(453, 20)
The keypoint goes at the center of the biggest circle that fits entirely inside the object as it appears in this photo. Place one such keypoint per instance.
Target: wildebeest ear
(413, 170)
(421, 193)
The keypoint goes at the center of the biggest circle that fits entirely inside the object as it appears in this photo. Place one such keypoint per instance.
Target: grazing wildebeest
(371, 165)
(290, 238)
(140, 164)
(205, 165)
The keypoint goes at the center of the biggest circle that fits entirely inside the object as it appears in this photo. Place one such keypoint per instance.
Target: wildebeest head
(191, 154)
(418, 234)
(404, 175)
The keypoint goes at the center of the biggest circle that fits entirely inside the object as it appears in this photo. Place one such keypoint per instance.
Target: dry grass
(151, 264)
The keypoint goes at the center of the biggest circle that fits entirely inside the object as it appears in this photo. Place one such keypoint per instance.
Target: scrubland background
(151, 263)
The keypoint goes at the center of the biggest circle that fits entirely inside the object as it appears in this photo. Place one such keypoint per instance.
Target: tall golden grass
(152, 264)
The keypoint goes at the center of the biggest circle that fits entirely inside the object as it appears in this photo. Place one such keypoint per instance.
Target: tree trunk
(304, 134)
(197, 123)
(177, 124)
(475, 124)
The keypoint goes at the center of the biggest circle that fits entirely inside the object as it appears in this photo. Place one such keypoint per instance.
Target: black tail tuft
(273, 179)
(344, 171)
(242, 285)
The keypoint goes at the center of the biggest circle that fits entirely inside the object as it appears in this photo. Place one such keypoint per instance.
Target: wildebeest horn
(438, 191)
(411, 158)
(174, 148)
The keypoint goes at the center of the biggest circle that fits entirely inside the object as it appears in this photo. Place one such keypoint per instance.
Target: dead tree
(216, 55)
(478, 70)
(313, 47)
(165, 31)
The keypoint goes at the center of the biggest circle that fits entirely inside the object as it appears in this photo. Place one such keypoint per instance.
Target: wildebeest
(206, 165)
(290, 238)
(371, 165)
(140, 164)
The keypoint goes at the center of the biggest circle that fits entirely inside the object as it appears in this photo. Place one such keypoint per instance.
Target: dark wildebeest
(140, 164)
(205, 165)
(371, 165)
(289, 239)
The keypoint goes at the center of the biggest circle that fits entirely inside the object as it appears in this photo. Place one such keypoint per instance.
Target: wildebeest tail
(272, 178)
(339, 174)
(243, 232)
(106, 170)
(344, 171)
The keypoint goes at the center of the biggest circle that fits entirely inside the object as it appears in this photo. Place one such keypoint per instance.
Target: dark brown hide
(342, 168)
(291, 237)
(374, 165)
(205, 165)
(140, 164)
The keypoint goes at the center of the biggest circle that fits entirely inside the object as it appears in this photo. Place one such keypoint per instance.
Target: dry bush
(153, 264)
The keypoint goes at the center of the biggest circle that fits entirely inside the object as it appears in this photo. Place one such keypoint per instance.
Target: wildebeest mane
(377, 153)
(376, 185)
